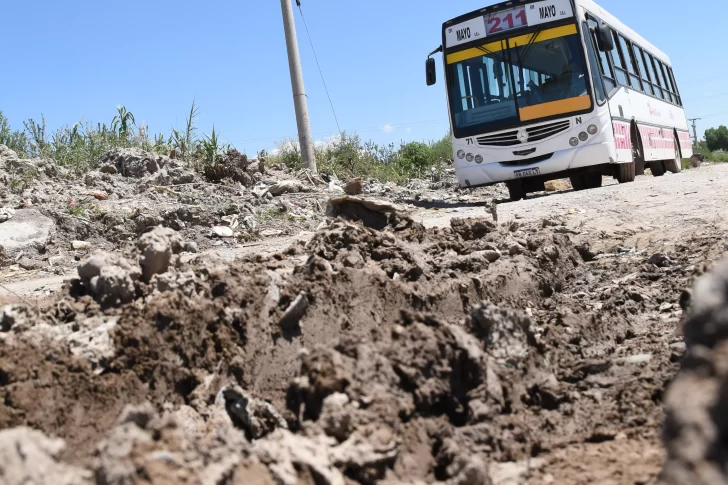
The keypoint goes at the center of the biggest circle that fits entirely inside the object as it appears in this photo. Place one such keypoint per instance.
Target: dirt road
(649, 211)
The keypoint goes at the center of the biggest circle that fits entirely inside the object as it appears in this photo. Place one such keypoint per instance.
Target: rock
(372, 213)
(492, 255)
(92, 341)
(109, 277)
(129, 162)
(110, 169)
(6, 213)
(335, 189)
(28, 229)
(551, 252)
(185, 282)
(506, 332)
(336, 418)
(7, 155)
(696, 160)
(255, 416)
(354, 187)
(80, 245)
(28, 264)
(286, 187)
(191, 247)
(292, 316)
(660, 260)
(30, 457)
(554, 185)
(270, 232)
(157, 248)
(515, 249)
(222, 231)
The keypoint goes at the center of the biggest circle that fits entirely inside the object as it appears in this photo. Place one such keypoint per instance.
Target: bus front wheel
(516, 190)
(626, 172)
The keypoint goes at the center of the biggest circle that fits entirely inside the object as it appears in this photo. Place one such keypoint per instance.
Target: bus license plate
(527, 172)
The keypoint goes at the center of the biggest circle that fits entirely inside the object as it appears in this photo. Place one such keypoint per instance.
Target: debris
(292, 316)
(98, 194)
(286, 187)
(492, 255)
(271, 232)
(334, 188)
(28, 229)
(222, 231)
(555, 185)
(354, 187)
(6, 213)
(157, 248)
(373, 213)
(109, 277)
(191, 247)
(80, 245)
(660, 260)
(257, 417)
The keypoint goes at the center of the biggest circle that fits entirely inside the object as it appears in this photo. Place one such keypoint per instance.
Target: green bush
(347, 156)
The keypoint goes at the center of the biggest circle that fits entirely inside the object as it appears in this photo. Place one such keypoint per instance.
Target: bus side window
(606, 70)
(596, 78)
(646, 80)
(655, 79)
(630, 64)
(668, 83)
(619, 64)
(663, 80)
(674, 84)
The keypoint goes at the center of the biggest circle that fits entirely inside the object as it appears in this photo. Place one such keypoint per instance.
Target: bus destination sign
(515, 18)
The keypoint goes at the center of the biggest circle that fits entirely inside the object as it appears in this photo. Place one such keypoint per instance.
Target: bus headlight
(469, 157)
(461, 154)
(574, 141)
(478, 158)
(583, 136)
(592, 129)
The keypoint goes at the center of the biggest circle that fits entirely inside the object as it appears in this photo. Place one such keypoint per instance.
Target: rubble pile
(379, 350)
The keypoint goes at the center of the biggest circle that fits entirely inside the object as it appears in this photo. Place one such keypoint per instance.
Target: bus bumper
(474, 175)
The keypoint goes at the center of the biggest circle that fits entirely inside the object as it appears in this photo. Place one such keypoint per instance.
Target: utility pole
(299, 94)
(695, 131)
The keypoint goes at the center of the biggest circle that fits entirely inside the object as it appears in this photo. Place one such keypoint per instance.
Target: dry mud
(475, 353)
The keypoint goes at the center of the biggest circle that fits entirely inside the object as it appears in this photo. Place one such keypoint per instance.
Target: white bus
(540, 90)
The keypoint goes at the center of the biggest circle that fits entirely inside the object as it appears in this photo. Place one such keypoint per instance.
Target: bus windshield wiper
(529, 47)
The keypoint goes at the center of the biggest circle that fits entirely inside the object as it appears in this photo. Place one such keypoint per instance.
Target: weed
(122, 122)
(21, 181)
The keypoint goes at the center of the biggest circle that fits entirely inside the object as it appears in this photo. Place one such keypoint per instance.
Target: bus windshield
(516, 80)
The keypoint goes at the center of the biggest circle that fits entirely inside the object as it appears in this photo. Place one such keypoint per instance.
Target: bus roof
(617, 24)
(589, 5)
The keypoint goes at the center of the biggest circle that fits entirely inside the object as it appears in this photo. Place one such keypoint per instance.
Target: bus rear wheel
(586, 180)
(516, 190)
(626, 172)
(675, 165)
(658, 169)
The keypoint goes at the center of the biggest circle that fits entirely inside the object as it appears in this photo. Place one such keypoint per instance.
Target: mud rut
(472, 354)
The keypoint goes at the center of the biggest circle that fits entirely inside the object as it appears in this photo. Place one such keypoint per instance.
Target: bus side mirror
(431, 71)
(605, 40)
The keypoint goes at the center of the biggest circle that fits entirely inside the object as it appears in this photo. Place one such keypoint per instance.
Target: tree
(717, 138)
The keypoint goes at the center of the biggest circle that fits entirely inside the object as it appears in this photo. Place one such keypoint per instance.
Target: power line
(717, 95)
(298, 2)
(700, 80)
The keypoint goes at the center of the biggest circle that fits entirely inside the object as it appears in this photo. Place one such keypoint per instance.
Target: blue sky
(79, 59)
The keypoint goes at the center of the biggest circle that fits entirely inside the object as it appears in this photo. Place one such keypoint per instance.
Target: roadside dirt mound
(398, 353)
(697, 402)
